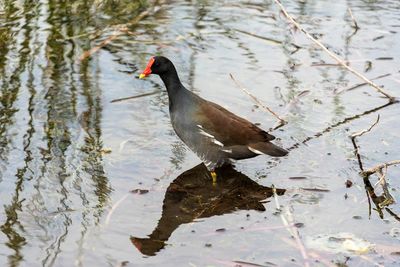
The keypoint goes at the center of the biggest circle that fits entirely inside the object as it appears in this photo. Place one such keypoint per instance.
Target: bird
(216, 135)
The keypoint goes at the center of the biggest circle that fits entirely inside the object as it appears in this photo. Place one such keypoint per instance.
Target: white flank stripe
(206, 134)
(255, 151)
(227, 150)
(218, 142)
(207, 163)
(215, 141)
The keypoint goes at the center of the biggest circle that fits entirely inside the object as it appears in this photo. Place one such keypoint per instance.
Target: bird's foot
(214, 177)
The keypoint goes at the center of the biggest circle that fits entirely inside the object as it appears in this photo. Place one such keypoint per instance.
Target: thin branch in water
(353, 140)
(291, 229)
(113, 208)
(274, 41)
(379, 167)
(377, 200)
(344, 121)
(325, 64)
(382, 176)
(369, 205)
(255, 99)
(389, 200)
(360, 133)
(355, 25)
(357, 153)
(359, 84)
(135, 96)
(268, 39)
(393, 214)
(297, 98)
(333, 55)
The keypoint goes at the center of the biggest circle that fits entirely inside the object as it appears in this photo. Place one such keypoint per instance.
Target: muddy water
(87, 182)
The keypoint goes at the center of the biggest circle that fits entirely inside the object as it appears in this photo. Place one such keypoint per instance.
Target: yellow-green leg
(214, 177)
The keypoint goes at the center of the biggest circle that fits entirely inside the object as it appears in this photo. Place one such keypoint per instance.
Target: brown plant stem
(378, 167)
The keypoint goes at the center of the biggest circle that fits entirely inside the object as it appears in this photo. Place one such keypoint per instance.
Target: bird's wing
(228, 128)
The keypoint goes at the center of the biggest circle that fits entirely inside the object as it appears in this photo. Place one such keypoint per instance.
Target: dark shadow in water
(192, 196)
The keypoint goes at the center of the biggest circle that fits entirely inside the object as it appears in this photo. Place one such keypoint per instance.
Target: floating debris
(367, 66)
(384, 58)
(139, 191)
(339, 243)
(316, 189)
(348, 183)
(298, 178)
(378, 37)
(299, 225)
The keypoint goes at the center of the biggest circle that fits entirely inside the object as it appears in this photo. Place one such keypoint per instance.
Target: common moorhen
(216, 135)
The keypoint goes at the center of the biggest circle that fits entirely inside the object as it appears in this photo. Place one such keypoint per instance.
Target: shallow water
(69, 158)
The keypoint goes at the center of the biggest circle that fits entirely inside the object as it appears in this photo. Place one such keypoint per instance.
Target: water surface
(69, 158)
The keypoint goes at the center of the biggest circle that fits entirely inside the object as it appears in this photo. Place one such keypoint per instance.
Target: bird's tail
(268, 148)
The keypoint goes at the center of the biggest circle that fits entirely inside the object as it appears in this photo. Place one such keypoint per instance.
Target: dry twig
(355, 25)
(379, 167)
(333, 55)
(353, 140)
(387, 197)
(291, 229)
(135, 96)
(382, 180)
(281, 121)
(270, 40)
(360, 84)
(113, 208)
(342, 122)
(360, 133)
(393, 214)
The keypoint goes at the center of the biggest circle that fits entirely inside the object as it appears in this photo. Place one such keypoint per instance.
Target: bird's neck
(172, 83)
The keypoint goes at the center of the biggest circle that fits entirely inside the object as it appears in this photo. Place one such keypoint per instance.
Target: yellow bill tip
(142, 76)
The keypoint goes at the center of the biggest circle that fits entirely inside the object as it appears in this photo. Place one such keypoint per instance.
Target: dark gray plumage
(216, 135)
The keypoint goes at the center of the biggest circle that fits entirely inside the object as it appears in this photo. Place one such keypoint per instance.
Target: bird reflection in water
(192, 196)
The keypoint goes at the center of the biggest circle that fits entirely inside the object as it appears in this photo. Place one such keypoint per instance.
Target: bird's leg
(214, 177)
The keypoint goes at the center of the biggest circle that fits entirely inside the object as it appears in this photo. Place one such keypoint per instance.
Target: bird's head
(157, 65)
